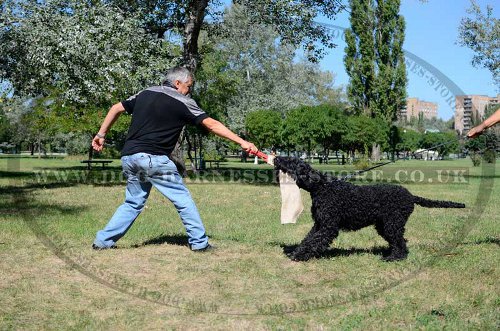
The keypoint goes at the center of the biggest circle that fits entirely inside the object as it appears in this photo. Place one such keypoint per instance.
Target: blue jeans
(142, 172)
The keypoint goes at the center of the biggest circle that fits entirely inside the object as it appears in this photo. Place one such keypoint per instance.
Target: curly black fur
(339, 205)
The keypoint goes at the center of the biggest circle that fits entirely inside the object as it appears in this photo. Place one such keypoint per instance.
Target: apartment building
(470, 108)
(414, 107)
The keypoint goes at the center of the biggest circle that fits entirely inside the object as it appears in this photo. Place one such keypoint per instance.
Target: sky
(431, 35)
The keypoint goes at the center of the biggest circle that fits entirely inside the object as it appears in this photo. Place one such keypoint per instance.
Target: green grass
(51, 279)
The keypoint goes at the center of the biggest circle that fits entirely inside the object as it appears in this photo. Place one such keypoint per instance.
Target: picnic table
(90, 162)
(216, 162)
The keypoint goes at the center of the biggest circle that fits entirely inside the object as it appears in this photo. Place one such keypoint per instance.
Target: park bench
(90, 162)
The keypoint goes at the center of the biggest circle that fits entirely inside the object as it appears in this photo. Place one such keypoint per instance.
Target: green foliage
(254, 69)
(475, 158)
(75, 143)
(484, 145)
(448, 140)
(374, 58)
(481, 33)
(71, 60)
(422, 123)
(362, 163)
(216, 83)
(5, 127)
(363, 132)
(410, 140)
(489, 156)
(307, 126)
(294, 22)
(263, 128)
(79, 53)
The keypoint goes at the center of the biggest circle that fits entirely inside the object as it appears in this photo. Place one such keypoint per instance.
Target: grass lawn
(52, 279)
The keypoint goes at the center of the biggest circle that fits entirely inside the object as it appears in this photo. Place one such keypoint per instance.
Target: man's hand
(490, 121)
(248, 146)
(113, 114)
(476, 131)
(98, 143)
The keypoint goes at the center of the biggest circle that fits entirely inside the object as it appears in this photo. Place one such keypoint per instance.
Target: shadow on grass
(62, 177)
(176, 239)
(487, 240)
(339, 252)
(15, 174)
(22, 201)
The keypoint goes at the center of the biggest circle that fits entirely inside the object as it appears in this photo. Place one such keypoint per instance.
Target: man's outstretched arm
(221, 130)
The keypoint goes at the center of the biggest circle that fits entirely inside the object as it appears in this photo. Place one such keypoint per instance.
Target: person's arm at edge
(114, 112)
(490, 121)
(221, 130)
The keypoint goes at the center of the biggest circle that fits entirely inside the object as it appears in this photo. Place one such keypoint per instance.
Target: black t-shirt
(158, 115)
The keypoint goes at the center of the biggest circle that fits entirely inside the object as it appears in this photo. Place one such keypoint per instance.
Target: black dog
(339, 205)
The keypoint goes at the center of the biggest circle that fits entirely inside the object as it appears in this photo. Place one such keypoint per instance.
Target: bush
(71, 143)
(213, 155)
(476, 159)
(362, 163)
(109, 153)
(489, 156)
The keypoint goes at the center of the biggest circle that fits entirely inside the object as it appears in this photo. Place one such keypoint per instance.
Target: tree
(335, 126)
(292, 19)
(69, 50)
(443, 142)
(374, 58)
(410, 141)
(364, 131)
(481, 33)
(263, 126)
(307, 126)
(74, 59)
(263, 69)
(5, 128)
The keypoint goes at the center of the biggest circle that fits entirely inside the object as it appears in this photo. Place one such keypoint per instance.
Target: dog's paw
(393, 258)
(298, 257)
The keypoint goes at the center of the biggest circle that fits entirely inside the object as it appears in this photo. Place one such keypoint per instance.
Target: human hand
(98, 143)
(248, 146)
(475, 131)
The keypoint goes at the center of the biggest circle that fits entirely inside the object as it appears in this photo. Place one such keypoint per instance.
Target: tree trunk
(194, 19)
(91, 152)
(195, 14)
(177, 155)
(39, 144)
(375, 152)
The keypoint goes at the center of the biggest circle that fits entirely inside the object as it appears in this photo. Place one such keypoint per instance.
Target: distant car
(426, 155)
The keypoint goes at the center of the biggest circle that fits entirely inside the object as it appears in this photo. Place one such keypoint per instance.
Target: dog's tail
(436, 203)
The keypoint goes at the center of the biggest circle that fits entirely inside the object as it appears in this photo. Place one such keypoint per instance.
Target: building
(469, 110)
(414, 107)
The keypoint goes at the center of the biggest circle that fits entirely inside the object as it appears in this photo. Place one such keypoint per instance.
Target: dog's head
(304, 175)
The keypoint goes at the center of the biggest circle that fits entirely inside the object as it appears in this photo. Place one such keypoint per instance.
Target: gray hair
(177, 73)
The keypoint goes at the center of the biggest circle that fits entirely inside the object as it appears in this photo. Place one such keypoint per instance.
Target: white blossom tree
(85, 56)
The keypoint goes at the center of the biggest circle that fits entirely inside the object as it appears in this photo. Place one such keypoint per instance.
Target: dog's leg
(393, 233)
(316, 242)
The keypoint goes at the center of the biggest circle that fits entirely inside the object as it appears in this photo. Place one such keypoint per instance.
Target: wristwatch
(99, 135)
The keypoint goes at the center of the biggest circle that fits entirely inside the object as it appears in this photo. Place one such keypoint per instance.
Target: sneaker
(97, 248)
(208, 248)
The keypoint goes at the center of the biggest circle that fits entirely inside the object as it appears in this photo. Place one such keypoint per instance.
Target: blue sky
(431, 34)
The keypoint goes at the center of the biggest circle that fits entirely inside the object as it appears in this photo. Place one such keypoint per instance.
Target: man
(158, 115)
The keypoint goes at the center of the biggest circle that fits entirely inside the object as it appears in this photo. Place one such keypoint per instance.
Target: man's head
(179, 78)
